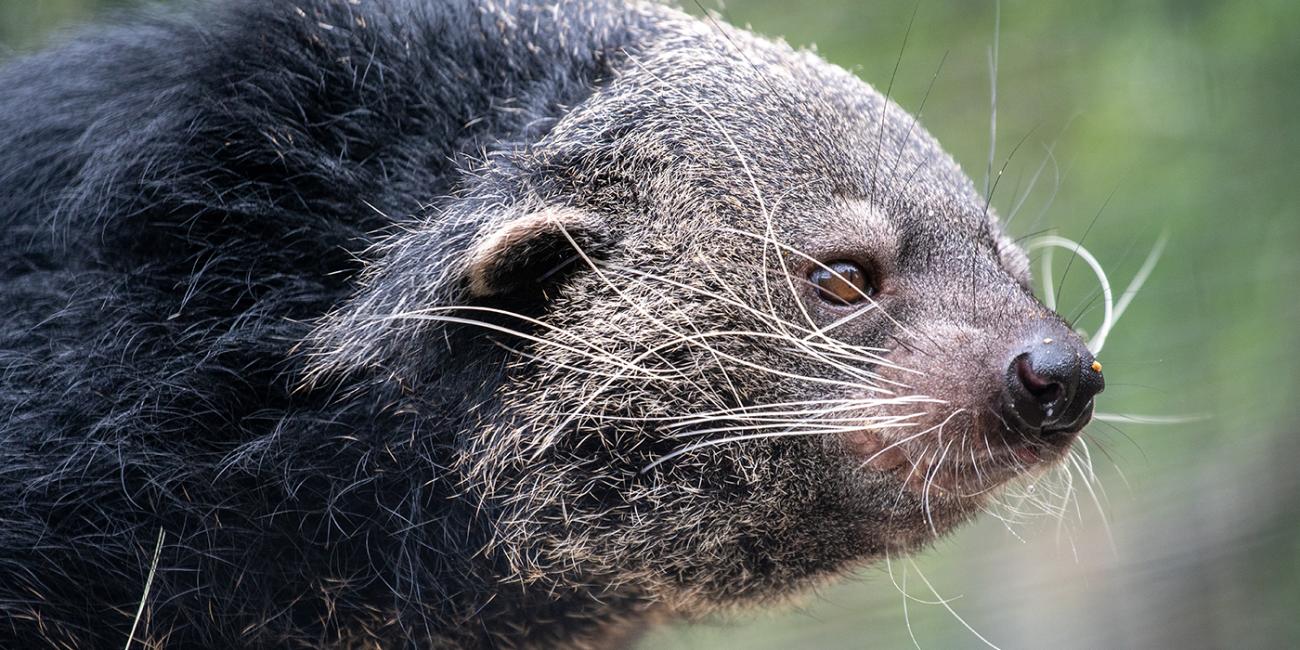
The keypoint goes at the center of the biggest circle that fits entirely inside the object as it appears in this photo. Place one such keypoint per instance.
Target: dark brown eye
(841, 282)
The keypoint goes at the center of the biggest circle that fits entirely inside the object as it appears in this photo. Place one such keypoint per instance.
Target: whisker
(910, 438)
(746, 411)
(1105, 524)
(993, 53)
(916, 117)
(889, 89)
(674, 375)
(758, 436)
(931, 475)
(858, 425)
(1135, 418)
(808, 414)
(423, 315)
(1108, 300)
(948, 607)
(1135, 285)
(1018, 203)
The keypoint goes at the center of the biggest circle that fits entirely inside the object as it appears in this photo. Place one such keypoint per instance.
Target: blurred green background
(1177, 116)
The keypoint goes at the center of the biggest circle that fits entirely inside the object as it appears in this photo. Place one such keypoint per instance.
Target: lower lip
(1027, 455)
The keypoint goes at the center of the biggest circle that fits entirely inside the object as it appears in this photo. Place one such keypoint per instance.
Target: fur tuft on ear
(441, 265)
(527, 250)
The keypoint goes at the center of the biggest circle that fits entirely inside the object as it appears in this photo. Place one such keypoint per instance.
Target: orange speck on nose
(1096, 366)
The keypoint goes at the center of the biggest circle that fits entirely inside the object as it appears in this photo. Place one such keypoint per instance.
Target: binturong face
(736, 324)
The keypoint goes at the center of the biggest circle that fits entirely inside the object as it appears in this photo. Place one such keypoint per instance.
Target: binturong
(484, 323)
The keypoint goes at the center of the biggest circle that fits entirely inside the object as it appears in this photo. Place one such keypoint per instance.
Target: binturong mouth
(983, 433)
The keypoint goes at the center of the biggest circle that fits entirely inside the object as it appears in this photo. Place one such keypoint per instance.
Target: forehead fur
(720, 118)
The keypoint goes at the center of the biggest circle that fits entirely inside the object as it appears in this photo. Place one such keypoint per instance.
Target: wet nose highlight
(1051, 385)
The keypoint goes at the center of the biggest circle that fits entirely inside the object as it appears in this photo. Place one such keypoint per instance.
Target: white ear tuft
(511, 254)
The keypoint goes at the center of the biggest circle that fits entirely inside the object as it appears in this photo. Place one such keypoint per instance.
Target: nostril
(1050, 384)
(1043, 389)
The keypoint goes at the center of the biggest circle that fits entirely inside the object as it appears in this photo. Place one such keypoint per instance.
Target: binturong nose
(1051, 382)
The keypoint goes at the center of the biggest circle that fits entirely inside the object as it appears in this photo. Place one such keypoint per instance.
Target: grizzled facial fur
(493, 324)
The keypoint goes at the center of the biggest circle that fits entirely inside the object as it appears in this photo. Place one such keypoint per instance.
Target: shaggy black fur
(180, 198)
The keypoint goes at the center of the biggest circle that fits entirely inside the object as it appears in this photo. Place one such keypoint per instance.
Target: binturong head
(735, 324)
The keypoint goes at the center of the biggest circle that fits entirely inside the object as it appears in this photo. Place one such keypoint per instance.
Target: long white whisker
(933, 474)
(896, 443)
(758, 436)
(748, 412)
(1135, 418)
(855, 425)
(1105, 524)
(776, 415)
(1065, 500)
(1135, 285)
(948, 607)
(903, 590)
(780, 373)
(1108, 299)
(608, 358)
(1049, 289)
(667, 375)
(907, 618)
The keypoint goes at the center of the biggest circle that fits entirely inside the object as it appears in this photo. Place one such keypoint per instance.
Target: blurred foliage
(1173, 116)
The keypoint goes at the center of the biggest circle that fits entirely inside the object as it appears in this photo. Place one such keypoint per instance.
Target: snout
(1012, 402)
(1050, 383)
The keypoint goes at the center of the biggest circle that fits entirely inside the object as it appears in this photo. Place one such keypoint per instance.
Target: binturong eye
(841, 282)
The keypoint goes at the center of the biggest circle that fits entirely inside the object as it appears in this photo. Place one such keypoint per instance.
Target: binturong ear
(516, 252)
(527, 251)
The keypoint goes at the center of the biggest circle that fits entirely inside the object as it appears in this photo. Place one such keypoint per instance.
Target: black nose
(1051, 383)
